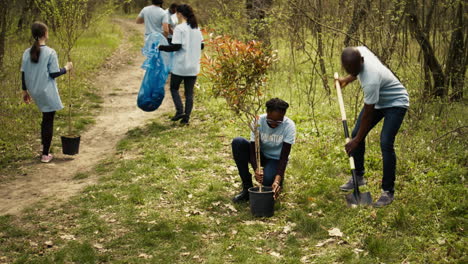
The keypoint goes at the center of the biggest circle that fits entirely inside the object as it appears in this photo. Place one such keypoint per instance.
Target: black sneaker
(185, 120)
(177, 117)
(385, 199)
(350, 184)
(243, 196)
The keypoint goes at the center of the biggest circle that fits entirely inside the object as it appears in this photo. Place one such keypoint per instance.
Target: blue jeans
(393, 117)
(241, 153)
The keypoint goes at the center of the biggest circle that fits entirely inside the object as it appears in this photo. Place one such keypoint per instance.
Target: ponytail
(38, 31)
(187, 12)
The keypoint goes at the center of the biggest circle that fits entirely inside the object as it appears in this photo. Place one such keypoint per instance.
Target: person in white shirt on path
(154, 18)
(187, 44)
(171, 20)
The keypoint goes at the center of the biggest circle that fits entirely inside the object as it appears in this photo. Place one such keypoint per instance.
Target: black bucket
(70, 145)
(262, 204)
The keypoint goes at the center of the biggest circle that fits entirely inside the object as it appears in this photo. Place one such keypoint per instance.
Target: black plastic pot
(262, 204)
(70, 145)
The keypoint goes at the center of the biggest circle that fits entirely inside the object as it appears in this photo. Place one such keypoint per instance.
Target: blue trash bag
(157, 66)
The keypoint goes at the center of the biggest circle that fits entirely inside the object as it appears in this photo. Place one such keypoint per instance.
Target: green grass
(169, 201)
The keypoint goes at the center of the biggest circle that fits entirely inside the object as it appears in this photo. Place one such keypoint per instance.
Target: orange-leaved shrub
(238, 72)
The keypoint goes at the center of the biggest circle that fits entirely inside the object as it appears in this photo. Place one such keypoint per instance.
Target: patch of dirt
(119, 82)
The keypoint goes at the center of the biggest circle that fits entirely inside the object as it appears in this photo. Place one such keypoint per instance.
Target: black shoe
(385, 199)
(177, 117)
(185, 120)
(350, 184)
(243, 196)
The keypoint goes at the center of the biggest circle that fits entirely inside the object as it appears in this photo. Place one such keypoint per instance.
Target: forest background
(424, 42)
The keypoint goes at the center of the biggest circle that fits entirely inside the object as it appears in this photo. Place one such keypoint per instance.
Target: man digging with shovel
(384, 98)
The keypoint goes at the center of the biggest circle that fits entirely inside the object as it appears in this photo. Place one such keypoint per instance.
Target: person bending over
(384, 98)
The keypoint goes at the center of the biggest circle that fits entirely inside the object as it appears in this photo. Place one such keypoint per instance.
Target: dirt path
(120, 81)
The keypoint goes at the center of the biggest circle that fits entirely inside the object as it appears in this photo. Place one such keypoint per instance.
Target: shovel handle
(343, 116)
(346, 132)
(340, 97)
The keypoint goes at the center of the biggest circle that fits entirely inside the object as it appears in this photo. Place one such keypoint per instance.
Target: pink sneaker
(46, 158)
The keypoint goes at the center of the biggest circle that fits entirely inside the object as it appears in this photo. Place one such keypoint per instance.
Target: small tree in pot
(69, 20)
(238, 73)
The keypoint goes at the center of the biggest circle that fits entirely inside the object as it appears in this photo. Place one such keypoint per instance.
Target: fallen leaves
(275, 254)
(325, 242)
(145, 256)
(68, 237)
(335, 232)
(49, 244)
(231, 207)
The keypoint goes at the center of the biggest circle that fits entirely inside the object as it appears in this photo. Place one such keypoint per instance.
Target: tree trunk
(257, 11)
(395, 26)
(359, 15)
(456, 61)
(320, 49)
(3, 29)
(430, 59)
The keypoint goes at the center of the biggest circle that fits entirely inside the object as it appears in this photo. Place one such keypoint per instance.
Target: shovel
(355, 198)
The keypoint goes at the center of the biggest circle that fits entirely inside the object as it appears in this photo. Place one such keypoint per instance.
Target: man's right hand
(342, 82)
(345, 80)
(26, 97)
(259, 175)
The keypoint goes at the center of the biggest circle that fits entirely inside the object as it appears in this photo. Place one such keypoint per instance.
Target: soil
(119, 82)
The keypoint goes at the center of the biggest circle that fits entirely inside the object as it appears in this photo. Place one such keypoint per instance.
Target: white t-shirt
(172, 21)
(271, 139)
(154, 17)
(187, 59)
(381, 87)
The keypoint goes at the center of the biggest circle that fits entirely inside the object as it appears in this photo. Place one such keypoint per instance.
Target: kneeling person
(277, 135)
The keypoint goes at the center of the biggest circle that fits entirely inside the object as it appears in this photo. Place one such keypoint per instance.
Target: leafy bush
(238, 73)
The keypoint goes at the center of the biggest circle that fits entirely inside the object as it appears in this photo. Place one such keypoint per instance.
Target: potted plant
(69, 19)
(237, 72)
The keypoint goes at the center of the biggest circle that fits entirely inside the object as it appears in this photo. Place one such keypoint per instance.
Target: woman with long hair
(187, 43)
(39, 69)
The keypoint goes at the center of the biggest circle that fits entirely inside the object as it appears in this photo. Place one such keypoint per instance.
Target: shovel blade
(362, 199)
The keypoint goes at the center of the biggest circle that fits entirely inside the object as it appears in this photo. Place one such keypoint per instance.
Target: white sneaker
(46, 158)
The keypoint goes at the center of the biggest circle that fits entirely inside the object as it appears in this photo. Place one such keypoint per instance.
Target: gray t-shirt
(271, 139)
(187, 59)
(381, 87)
(154, 17)
(41, 87)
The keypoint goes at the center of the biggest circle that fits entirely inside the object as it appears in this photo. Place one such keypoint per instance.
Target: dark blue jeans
(393, 117)
(241, 153)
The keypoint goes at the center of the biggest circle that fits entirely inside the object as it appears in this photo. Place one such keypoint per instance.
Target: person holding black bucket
(277, 135)
(187, 43)
(384, 98)
(39, 68)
